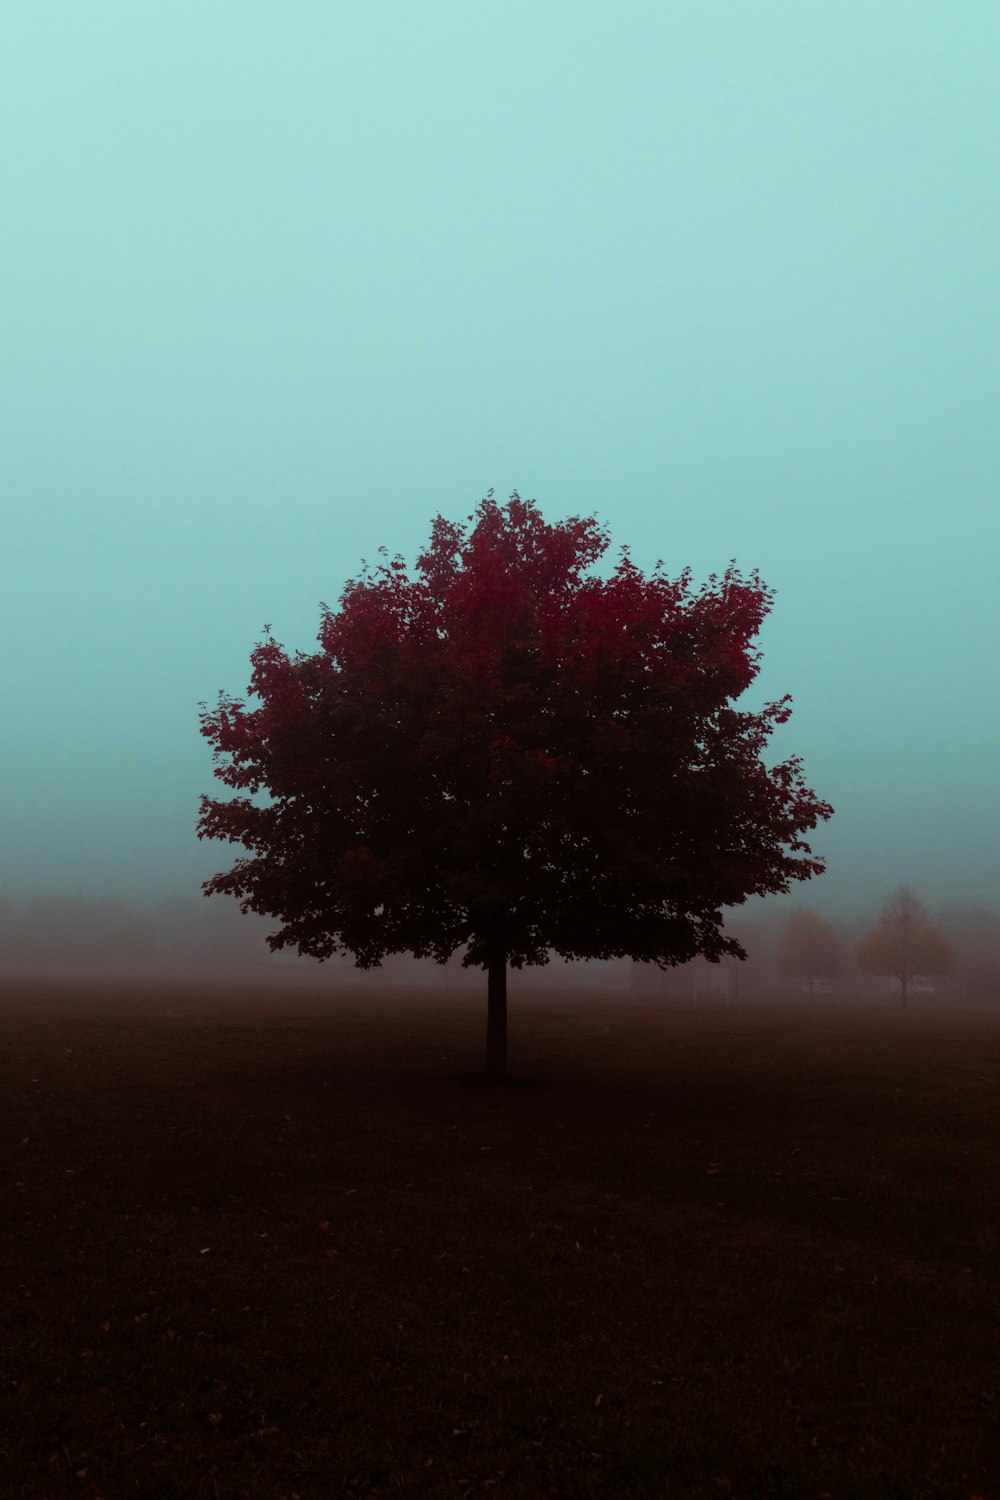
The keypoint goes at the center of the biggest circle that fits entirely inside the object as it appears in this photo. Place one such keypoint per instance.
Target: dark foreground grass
(267, 1246)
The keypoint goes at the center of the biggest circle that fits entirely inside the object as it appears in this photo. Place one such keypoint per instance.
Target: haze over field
(283, 282)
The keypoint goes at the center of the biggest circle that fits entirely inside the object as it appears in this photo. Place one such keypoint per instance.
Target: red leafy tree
(505, 754)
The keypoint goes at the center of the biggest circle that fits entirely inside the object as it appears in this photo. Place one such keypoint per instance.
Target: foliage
(809, 946)
(903, 942)
(505, 753)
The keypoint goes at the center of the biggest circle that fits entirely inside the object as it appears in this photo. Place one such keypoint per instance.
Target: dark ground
(270, 1244)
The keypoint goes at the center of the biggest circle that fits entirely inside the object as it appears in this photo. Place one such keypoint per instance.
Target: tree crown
(903, 941)
(809, 945)
(505, 750)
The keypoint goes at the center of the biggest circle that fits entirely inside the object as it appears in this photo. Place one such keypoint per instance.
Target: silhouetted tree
(809, 947)
(506, 754)
(903, 943)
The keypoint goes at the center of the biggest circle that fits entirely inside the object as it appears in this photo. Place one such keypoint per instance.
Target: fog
(190, 943)
(282, 283)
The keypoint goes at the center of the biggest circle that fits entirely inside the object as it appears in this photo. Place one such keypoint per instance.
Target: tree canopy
(507, 754)
(809, 946)
(903, 942)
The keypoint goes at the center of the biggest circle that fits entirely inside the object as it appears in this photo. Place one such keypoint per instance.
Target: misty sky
(282, 281)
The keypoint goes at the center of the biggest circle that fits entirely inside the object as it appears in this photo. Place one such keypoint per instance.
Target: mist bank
(72, 935)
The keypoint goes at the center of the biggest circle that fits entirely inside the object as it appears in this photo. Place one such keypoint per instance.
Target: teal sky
(282, 281)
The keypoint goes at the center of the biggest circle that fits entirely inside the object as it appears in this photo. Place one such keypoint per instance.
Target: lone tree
(903, 942)
(505, 754)
(809, 947)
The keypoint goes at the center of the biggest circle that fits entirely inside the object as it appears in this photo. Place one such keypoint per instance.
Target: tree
(506, 754)
(809, 947)
(974, 935)
(65, 931)
(903, 943)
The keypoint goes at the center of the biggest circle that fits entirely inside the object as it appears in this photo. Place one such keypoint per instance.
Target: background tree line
(900, 952)
(789, 952)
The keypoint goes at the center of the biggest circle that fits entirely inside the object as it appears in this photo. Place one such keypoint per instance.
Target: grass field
(272, 1244)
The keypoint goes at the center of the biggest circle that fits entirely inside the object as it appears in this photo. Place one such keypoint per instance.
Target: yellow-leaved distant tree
(809, 947)
(904, 943)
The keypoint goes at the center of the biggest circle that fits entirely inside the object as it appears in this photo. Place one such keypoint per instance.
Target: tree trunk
(496, 1016)
(903, 978)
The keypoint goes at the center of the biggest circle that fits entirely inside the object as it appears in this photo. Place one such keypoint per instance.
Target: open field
(264, 1244)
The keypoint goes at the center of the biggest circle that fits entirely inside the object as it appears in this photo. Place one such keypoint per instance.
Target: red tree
(506, 754)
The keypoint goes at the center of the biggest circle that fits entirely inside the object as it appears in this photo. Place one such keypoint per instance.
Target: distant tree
(974, 935)
(66, 932)
(903, 943)
(195, 939)
(504, 754)
(809, 947)
(10, 933)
